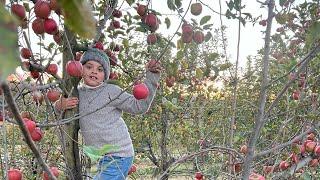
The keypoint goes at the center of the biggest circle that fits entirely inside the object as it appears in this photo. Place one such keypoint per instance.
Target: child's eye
(88, 67)
(100, 70)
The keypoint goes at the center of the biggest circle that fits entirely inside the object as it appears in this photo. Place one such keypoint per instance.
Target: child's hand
(66, 103)
(154, 66)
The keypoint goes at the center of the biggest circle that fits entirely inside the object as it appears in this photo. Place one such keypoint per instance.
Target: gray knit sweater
(106, 125)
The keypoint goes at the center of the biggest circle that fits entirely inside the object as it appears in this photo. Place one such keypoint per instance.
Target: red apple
(310, 146)
(14, 174)
(187, 29)
(151, 20)
(151, 38)
(294, 158)
(198, 175)
(35, 74)
(74, 68)
(117, 13)
(263, 22)
(140, 91)
(132, 169)
(38, 26)
(54, 5)
(52, 69)
(141, 9)
(25, 53)
(255, 176)
(317, 150)
(296, 95)
(244, 149)
(284, 165)
(42, 9)
(115, 24)
(30, 125)
(198, 37)
(50, 26)
(53, 95)
(280, 29)
(237, 167)
(99, 45)
(187, 38)
(19, 11)
(36, 134)
(54, 171)
(314, 163)
(196, 9)
(268, 169)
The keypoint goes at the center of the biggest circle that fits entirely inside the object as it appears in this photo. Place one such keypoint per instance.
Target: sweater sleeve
(128, 103)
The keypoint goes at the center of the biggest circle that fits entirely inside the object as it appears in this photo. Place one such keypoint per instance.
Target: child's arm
(128, 103)
(66, 103)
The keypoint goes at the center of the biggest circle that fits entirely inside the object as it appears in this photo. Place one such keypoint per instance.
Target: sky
(251, 38)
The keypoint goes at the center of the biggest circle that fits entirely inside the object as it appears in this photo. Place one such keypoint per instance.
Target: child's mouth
(93, 77)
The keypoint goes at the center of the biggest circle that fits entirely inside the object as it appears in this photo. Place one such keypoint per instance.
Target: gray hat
(94, 54)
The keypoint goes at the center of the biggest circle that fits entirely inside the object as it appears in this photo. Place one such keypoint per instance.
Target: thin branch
(12, 105)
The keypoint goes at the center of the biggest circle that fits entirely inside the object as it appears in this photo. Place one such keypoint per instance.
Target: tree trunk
(70, 134)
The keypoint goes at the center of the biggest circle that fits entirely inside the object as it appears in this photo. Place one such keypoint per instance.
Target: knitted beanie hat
(94, 54)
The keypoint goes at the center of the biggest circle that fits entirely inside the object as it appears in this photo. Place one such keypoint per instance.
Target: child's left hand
(154, 66)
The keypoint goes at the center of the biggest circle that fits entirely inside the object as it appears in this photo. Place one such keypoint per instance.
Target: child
(106, 125)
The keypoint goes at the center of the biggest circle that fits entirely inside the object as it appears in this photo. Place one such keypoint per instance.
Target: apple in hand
(140, 91)
(53, 95)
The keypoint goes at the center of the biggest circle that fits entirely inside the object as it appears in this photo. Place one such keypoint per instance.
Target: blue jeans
(113, 168)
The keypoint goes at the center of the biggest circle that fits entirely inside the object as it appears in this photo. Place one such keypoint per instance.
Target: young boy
(106, 125)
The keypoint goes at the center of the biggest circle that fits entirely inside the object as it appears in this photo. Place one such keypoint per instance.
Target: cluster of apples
(151, 20)
(16, 174)
(42, 23)
(35, 132)
(188, 34)
(301, 84)
(115, 24)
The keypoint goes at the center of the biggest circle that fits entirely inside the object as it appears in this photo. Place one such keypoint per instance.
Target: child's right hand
(66, 103)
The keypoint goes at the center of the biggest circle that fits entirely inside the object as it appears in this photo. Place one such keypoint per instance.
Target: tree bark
(70, 134)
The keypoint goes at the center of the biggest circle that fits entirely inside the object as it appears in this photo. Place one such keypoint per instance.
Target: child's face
(93, 73)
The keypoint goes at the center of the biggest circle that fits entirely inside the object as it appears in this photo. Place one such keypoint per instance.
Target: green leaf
(313, 34)
(130, 2)
(205, 19)
(9, 54)
(207, 26)
(224, 66)
(167, 21)
(178, 3)
(79, 17)
(97, 153)
(281, 2)
(207, 37)
(171, 5)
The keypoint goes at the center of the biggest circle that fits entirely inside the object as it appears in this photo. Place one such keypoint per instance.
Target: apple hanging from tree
(54, 170)
(74, 68)
(140, 91)
(38, 26)
(14, 174)
(37, 97)
(198, 175)
(30, 125)
(19, 11)
(117, 13)
(25, 53)
(151, 38)
(54, 5)
(132, 169)
(50, 26)
(314, 163)
(42, 9)
(151, 20)
(141, 9)
(268, 169)
(263, 22)
(52, 69)
(284, 165)
(53, 95)
(196, 9)
(99, 45)
(36, 134)
(198, 37)
(296, 95)
(35, 74)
